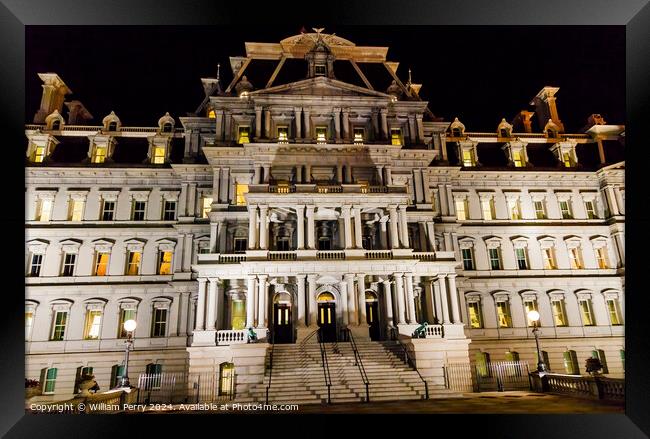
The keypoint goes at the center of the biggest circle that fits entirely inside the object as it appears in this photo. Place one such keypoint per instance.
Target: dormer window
(212, 114)
(396, 136)
(517, 159)
(358, 135)
(158, 156)
(283, 135)
(56, 125)
(167, 128)
(468, 157)
(320, 70)
(243, 134)
(112, 126)
(39, 154)
(566, 159)
(455, 132)
(321, 134)
(99, 154)
(504, 132)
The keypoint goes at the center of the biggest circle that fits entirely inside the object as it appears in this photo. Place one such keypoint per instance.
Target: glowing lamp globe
(130, 325)
(533, 316)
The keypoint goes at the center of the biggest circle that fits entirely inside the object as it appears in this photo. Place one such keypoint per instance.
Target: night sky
(479, 74)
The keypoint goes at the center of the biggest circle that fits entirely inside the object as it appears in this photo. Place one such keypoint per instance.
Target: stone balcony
(316, 188)
(325, 255)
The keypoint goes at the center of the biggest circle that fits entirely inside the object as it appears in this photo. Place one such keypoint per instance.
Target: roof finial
(408, 83)
(218, 70)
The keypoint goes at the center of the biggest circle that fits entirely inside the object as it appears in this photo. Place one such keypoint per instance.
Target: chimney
(546, 107)
(522, 122)
(77, 113)
(54, 91)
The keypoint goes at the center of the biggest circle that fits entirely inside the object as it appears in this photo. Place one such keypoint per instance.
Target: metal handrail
(410, 362)
(268, 387)
(359, 364)
(326, 367)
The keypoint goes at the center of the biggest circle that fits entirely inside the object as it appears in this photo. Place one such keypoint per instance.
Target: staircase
(298, 375)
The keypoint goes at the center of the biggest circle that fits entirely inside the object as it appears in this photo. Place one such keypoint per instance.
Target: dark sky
(478, 73)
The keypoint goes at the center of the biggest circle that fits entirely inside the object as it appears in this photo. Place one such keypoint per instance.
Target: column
(307, 173)
(189, 237)
(218, 114)
(444, 205)
(399, 292)
(200, 306)
(348, 173)
(380, 175)
(450, 200)
(223, 235)
(404, 228)
(352, 307)
(419, 128)
(258, 122)
(267, 123)
(183, 310)
(442, 284)
(357, 228)
(250, 302)
(307, 133)
(428, 298)
(347, 226)
(215, 185)
(394, 240)
(337, 124)
(212, 302)
(346, 124)
(453, 293)
(383, 235)
(191, 199)
(214, 231)
(425, 186)
(388, 297)
(262, 293)
(422, 235)
(343, 287)
(225, 176)
(389, 175)
(298, 118)
(313, 306)
(412, 135)
(264, 233)
(410, 299)
(611, 200)
(361, 284)
(267, 173)
(417, 185)
(182, 200)
(431, 236)
(227, 123)
(384, 123)
(252, 227)
(311, 238)
(300, 280)
(257, 178)
(300, 226)
(438, 299)
(339, 173)
(298, 174)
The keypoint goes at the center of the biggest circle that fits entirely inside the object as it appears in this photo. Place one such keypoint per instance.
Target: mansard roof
(320, 86)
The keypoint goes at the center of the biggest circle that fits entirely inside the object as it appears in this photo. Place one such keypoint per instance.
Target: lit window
(503, 314)
(461, 209)
(559, 313)
(514, 208)
(613, 308)
(206, 207)
(44, 209)
(468, 157)
(565, 208)
(227, 374)
(517, 159)
(540, 210)
(101, 263)
(212, 114)
(39, 154)
(99, 154)
(495, 259)
(35, 264)
(139, 209)
(69, 260)
(158, 155)
(566, 159)
(76, 210)
(601, 257)
(169, 210)
(159, 322)
(475, 318)
(358, 135)
(133, 263)
(468, 259)
(93, 324)
(522, 260)
(571, 363)
(125, 315)
(164, 262)
(549, 259)
(240, 244)
(396, 136)
(50, 380)
(58, 325)
(487, 206)
(238, 315)
(530, 305)
(575, 258)
(591, 210)
(241, 190)
(321, 134)
(244, 134)
(587, 313)
(29, 322)
(108, 210)
(283, 135)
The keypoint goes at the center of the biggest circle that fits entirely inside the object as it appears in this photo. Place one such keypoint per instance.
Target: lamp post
(129, 327)
(533, 316)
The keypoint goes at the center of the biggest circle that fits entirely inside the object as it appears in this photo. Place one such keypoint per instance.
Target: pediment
(320, 86)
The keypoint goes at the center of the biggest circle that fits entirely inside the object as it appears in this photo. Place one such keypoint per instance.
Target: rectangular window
(35, 264)
(396, 136)
(468, 157)
(139, 209)
(513, 208)
(571, 363)
(591, 210)
(204, 248)
(69, 260)
(125, 315)
(517, 159)
(93, 324)
(76, 210)
(565, 209)
(359, 135)
(29, 322)
(461, 209)
(530, 305)
(44, 210)
(50, 380)
(241, 191)
(108, 210)
(540, 210)
(601, 257)
(58, 326)
(283, 135)
(99, 154)
(159, 153)
(503, 314)
(133, 263)
(614, 312)
(321, 134)
(522, 259)
(240, 245)
(587, 313)
(159, 322)
(101, 263)
(495, 258)
(566, 159)
(319, 69)
(39, 154)
(243, 134)
(559, 313)
(549, 259)
(487, 206)
(117, 372)
(169, 210)
(475, 318)
(282, 244)
(164, 262)
(575, 258)
(468, 258)
(155, 376)
(206, 206)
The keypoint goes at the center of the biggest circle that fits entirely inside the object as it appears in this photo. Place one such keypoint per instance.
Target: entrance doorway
(327, 317)
(282, 319)
(372, 315)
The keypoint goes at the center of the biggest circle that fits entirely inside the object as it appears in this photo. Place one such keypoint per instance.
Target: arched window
(456, 132)
(112, 126)
(227, 379)
(325, 297)
(56, 125)
(167, 127)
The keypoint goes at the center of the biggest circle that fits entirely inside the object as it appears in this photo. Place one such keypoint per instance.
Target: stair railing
(409, 360)
(326, 367)
(270, 368)
(359, 363)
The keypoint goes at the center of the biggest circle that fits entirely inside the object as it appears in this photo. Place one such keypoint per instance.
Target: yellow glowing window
(29, 321)
(461, 209)
(475, 314)
(503, 315)
(468, 158)
(101, 264)
(566, 158)
(530, 305)
(238, 313)
(321, 134)
(165, 262)
(242, 190)
(93, 324)
(517, 159)
(396, 136)
(513, 206)
(158, 155)
(549, 259)
(133, 263)
(283, 134)
(575, 259)
(39, 154)
(244, 135)
(212, 114)
(601, 256)
(99, 154)
(76, 211)
(559, 316)
(487, 205)
(44, 210)
(613, 309)
(358, 135)
(587, 315)
(206, 207)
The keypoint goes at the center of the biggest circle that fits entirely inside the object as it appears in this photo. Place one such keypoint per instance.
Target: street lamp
(533, 316)
(129, 327)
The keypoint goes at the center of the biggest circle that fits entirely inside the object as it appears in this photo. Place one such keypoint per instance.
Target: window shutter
(43, 376)
(78, 379)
